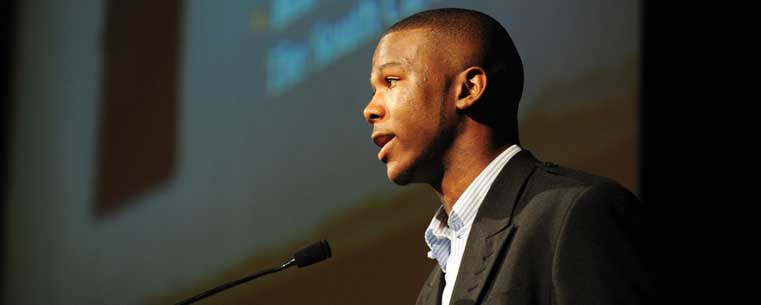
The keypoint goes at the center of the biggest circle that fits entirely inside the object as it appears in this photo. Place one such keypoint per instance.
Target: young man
(511, 229)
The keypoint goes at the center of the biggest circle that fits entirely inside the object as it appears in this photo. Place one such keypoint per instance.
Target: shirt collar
(443, 226)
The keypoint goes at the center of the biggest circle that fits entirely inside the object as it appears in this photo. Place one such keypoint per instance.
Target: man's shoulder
(552, 177)
(556, 196)
(553, 190)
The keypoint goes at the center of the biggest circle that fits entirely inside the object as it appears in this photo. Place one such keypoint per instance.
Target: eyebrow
(380, 68)
(388, 64)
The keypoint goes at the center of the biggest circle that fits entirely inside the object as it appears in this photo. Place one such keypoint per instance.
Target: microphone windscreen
(313, 253)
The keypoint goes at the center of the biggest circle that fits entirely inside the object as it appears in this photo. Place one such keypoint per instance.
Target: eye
(391, 81)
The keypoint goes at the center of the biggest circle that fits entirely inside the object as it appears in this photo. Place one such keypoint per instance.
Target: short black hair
(498, 57)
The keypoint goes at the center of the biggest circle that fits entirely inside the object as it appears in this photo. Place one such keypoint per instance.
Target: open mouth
(382, 139)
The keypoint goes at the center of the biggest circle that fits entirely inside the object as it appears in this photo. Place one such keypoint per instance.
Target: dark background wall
(153, 152)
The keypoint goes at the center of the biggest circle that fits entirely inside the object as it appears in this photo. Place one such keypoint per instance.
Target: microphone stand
(311, 254)
(227, 285)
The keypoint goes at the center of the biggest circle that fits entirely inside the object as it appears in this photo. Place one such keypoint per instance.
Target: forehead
(407, 47)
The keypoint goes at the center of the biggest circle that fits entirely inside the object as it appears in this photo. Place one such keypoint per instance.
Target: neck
(463, 162)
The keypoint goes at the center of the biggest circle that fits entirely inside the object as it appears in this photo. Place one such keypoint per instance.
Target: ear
(470, 85)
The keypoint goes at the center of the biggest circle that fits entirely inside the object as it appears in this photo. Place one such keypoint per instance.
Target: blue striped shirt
(447, 235)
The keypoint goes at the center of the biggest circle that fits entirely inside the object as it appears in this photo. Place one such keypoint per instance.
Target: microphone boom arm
(231, 284)
(309, 255)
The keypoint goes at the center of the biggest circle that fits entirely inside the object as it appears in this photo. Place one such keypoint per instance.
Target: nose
(374, 111)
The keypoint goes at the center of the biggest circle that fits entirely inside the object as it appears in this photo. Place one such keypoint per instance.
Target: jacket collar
(492, 228)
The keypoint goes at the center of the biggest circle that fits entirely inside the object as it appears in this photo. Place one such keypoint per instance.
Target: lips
(382, 139)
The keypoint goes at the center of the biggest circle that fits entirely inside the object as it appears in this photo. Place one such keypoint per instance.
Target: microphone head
(313, 253)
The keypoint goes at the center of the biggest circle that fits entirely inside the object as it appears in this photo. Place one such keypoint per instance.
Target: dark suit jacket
(551, 235)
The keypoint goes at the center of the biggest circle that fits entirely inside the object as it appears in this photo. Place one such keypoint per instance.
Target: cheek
(417, 131)
(415, 115)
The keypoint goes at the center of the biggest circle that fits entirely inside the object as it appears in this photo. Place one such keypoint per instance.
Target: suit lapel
(434, 285)
(492, 229)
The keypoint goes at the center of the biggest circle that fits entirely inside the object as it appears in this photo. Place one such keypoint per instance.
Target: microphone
(309, 255)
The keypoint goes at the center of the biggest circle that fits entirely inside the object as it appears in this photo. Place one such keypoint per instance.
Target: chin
(399, 175)
(399, 180)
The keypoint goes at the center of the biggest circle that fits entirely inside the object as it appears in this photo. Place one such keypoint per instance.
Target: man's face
(411, 110)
